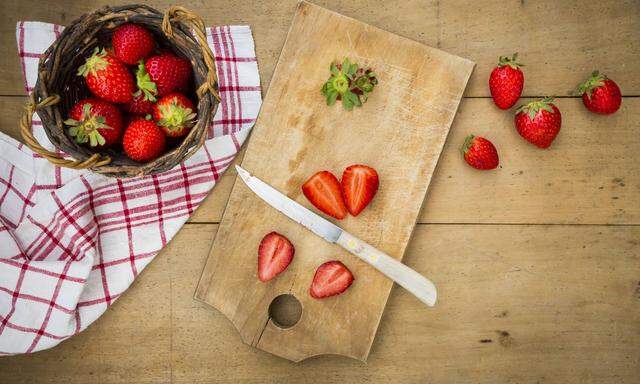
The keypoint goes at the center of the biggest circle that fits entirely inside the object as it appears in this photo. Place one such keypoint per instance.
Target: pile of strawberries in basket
(138, 97)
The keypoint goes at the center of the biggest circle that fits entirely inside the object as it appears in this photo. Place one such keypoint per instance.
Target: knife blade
(406, 277)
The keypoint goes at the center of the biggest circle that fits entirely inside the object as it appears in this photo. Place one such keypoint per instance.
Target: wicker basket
(58, 87)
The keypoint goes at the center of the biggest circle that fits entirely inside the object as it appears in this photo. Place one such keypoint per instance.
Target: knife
(406, 277)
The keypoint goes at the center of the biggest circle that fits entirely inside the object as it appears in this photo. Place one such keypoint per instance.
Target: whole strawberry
(169, 72)
(143, 141)
(132, 43)
(95, 122)
(108, 78)
(506, 82)
(600, 94)
(139, 106)
(480, 153)
(539, 122)
(175, 114)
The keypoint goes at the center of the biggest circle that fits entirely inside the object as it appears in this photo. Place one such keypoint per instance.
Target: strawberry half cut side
(324, 192)
(331, 278)
(359, 186)
(274, 256)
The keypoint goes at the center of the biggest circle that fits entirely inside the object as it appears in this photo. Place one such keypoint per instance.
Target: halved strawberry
(274, 256)
(331, 278)
(359, 185)
(324, 192)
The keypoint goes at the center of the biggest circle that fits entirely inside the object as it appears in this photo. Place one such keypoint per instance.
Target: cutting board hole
(285, 311)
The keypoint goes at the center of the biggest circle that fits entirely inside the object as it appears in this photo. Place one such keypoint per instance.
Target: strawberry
(539, 122)
(143, 140)
(139, 106)
(169, 72)
(274, 256)
(324, 192)
(359, 185)
(132, 43)
(174, 114)
(506, 82)
(96, 122)
(331, 278)
(600, 94)
(107, 77)
(479, 152)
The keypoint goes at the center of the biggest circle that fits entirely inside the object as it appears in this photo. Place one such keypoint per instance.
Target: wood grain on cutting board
(400, 131)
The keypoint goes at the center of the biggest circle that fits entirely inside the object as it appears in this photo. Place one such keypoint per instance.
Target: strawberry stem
(143, 80)
(86, 129)
(468, 141)
(510, 61)
(175, 117)
(533, 107)
(349, 83)
(596, 80)
(94, 63)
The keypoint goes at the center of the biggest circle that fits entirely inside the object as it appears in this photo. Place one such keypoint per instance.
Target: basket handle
(96, 160)
(181, 14)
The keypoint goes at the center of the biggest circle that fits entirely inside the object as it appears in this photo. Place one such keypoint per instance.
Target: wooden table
(537, 263)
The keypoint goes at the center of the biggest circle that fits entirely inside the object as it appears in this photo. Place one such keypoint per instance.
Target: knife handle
(406, 277)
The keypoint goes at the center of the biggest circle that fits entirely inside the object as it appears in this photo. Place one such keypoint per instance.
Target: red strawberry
(107, 77)
(95, 122)
(539, 122)
(600, 94)
(132, 43)
(506, 82)
(174, 114)
(143, 140)
(359, 185)
(331, 278)
(479, 153)
(169, 72)
(274, 256)
(324, 192)
(139, 106)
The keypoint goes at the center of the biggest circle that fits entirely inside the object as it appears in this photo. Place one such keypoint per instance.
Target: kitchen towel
(71, 242)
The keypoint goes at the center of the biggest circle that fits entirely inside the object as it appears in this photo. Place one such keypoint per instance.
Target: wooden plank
(11, 108)
(297, 135)
(559, 47)
(590, 175)
(569, 304)
(554, 40)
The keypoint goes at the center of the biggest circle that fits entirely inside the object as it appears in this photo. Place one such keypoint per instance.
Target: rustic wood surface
(538, 263)
(307, 136)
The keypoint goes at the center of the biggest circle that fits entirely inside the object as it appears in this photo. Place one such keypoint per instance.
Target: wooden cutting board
(400, 132)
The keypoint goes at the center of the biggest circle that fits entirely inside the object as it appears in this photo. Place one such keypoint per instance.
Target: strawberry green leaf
(345, 66)
(349, 83)
(331, 98)
(94, 63)
(145, 85)
(334, 69)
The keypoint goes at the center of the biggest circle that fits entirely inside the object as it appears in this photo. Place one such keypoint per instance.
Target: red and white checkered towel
(71, 242)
